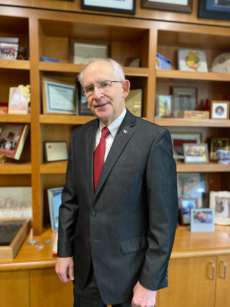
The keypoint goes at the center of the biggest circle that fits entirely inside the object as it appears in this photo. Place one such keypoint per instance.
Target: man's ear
(126, 88)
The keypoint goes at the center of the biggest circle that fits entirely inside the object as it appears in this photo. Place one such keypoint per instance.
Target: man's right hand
(64, 265)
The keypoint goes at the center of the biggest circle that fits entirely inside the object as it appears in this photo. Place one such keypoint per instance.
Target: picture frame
(220, 109)
(220, 202)
(174, 6)
(186, 204)
(210, 9)
(192, 185)
(216, 144)
(179, 138)
(82, 51)
(192, 60)
(17, 101)
(134, 101)
(164, 106)
(196, 153)
(82, 104)
(184, 99)
(55, 151)
(202, 220)
(125, 7)
(54, 200)
(53, 102)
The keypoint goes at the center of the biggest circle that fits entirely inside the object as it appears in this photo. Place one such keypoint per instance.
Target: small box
(194, 114)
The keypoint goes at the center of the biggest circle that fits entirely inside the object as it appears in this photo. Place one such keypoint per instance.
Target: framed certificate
(124, 6)
(55, 200)
(58, 97)
(134, 101)
(55, 151)
(184, 6)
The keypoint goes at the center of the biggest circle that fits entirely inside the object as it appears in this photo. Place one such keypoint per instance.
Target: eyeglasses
(103, 86)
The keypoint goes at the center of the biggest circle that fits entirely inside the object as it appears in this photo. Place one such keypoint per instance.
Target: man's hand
(143, 297)
(62, 266)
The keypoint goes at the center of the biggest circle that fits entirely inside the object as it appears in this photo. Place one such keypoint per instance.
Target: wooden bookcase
(47, 33)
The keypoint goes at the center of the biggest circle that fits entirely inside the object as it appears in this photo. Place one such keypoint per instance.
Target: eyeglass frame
(96, 85)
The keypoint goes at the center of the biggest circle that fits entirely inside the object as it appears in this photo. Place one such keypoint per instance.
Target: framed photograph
(184, 99)
(58, 97)
(164, 106)
(184, 6)
(192, 60)
(134, 101)
(180, 138)
(220, 109)
(195, 153)
(82, 51)
(17, 101)
(83, 107)
(202, 220)
(186, 204)
(214, 9)
(55, 200)
(192, 185)
(216, 144)
(220, 202)
(55, 151)
(124, 6)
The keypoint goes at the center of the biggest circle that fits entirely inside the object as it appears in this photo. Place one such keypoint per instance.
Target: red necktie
(99, 155)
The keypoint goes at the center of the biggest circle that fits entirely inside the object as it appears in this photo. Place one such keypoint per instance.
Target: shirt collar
(113, 127)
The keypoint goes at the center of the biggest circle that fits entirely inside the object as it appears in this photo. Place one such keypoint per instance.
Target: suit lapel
(124, 134)
(89, 146)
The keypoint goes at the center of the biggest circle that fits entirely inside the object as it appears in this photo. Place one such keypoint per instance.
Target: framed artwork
(184, 99)
(82, 51)
(134, 101)
(202, 220)
(124, 6)
(164, 106)
(184, 6)
(220, 202)
(216, 144)
(83, 107)
(186, 204)
(55, 200)
(58, 97)
(192, 185)
(214, 9)
(220, 109)
(192, 60)
(196, 153)
(180, 138)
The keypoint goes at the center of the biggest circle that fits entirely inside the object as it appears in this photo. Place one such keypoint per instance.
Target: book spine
(45, 59)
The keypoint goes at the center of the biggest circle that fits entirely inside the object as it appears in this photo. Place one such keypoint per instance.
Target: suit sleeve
(68, 211)
(161, 181)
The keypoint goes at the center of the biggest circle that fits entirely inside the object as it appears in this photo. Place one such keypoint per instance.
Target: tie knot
(105, 132)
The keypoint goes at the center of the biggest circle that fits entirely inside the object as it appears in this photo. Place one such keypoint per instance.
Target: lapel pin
(125, 131)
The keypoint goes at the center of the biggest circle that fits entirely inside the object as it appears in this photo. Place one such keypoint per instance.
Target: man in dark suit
(119, 204)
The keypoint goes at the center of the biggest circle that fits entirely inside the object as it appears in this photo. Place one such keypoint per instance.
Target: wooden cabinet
(223, 281)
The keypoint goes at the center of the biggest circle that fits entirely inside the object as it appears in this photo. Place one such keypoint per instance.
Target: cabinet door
(47, 290)
(190, 283)
(14, 289)
(223, 281)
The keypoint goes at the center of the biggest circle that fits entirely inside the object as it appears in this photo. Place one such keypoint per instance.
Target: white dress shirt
(113, 128)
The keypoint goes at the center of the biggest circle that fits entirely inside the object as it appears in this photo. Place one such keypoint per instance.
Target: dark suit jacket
(127, 226)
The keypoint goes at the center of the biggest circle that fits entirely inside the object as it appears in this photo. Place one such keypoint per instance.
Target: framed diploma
(55, 151)
(184, 6)
(58, 97)
(134, 101)
(55, 200)
(117, 6)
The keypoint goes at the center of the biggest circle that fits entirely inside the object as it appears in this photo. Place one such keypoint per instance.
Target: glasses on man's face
(103, 86)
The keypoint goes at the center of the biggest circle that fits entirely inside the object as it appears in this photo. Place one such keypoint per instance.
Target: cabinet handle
(213, 269)
(225, 269)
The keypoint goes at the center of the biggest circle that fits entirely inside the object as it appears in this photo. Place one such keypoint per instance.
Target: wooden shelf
(15, 168)
(15, 64)
(65, 119)
(76, 68)
(15, 118)
(205, 76)
(182, 122)
(53, 167)
(202, 167)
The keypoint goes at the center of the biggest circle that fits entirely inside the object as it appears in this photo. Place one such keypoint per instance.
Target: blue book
(45, 59)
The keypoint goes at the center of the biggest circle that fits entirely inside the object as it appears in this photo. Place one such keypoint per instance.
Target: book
(9, 40)
(12, 139)
(45, 59)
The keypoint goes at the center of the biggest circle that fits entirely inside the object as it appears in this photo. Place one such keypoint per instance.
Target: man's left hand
(143, 297)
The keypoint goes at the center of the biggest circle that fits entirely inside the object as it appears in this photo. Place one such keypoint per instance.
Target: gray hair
(118, 70)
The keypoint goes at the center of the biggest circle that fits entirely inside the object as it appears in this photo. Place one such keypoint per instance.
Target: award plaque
(55, 151)
(54, 199)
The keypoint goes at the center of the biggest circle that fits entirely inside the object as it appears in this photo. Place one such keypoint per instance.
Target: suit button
(93, 213)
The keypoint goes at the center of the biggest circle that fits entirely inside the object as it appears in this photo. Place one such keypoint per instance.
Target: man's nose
(97, 93)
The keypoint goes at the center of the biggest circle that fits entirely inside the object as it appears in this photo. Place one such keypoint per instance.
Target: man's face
(107, 105)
